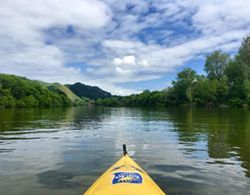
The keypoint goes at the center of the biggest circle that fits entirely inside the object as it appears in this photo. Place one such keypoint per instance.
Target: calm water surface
(62, 151)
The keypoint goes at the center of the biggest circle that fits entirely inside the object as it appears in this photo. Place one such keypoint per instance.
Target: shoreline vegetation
(226, 84)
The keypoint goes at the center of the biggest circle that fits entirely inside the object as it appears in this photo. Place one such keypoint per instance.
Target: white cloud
(122, 71)
(130, 60)
(143, 63)
(214, 17)
(126, 60)
(117, 61)
(127, 64)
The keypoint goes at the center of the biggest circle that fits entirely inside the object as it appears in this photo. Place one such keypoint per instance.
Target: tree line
(226, 83)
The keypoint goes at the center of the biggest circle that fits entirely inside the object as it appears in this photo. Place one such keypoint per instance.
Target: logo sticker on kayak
(127, 177)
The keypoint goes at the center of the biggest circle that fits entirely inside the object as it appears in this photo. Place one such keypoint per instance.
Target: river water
(186, 151)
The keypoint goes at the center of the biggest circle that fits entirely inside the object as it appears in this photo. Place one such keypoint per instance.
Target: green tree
(7, 101)
(244, 54)
(247, 89)
(237, 76)
(209, 92)
(28, 101)
(182, 87)
(244, 51)
(215, 65)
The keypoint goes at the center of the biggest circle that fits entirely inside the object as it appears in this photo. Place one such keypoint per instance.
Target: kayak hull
(123, 178)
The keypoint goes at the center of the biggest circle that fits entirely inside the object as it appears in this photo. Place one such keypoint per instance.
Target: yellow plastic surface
(104, 184)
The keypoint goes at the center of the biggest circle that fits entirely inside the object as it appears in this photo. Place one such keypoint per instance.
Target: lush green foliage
(227, 83)
(215, 65)
(18, 91)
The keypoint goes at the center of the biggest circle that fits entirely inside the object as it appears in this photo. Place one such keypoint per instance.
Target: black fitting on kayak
(124, 149)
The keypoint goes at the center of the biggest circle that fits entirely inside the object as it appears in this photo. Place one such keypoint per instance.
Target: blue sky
(121, 46)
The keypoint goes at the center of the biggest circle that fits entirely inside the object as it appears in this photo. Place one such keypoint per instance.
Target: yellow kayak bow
(123, 178)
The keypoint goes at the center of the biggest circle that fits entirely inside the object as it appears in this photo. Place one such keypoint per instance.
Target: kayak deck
(123, 178)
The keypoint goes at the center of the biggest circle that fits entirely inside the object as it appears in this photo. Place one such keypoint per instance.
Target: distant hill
(73, 97)
(64, 89)
(87, 91)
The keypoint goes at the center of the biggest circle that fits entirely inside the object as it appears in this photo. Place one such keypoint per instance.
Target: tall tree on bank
(182, 87)
(244, 54)
(215, 65)
(238, 75)
(244, 51)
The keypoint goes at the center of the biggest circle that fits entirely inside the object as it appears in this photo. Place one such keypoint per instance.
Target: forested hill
(16, 91)
(87, 91)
